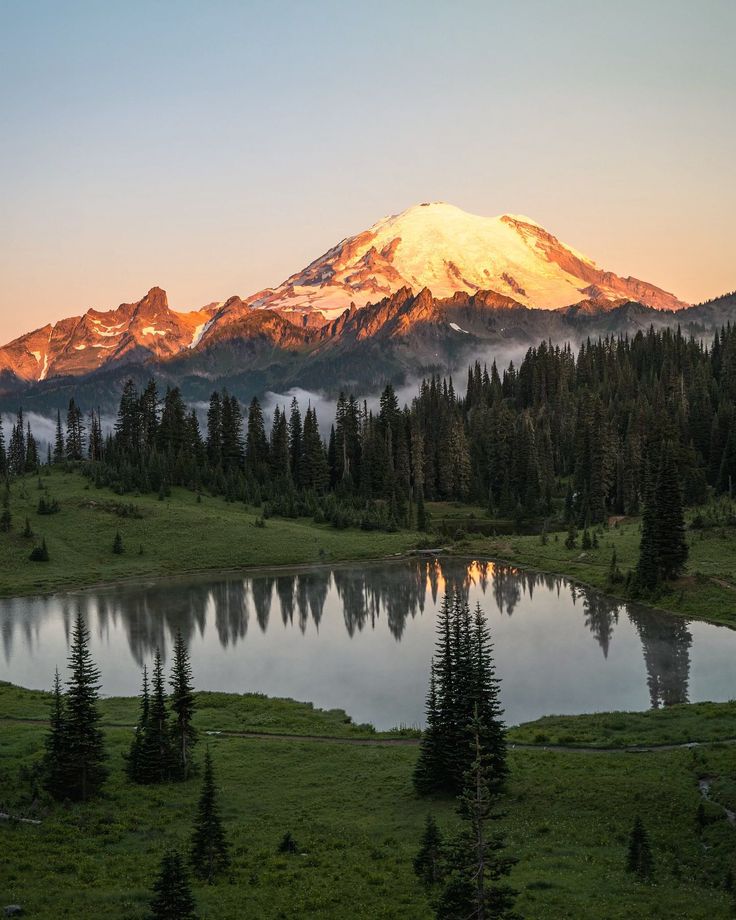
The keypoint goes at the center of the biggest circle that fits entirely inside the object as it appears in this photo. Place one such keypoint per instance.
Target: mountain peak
(437, 245)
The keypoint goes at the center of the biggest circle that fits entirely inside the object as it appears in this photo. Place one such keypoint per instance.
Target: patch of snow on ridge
(458, 329)
(200, 331)
(37, 356)
(151, 330)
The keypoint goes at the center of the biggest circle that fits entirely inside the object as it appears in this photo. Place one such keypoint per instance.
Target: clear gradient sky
(213, 148)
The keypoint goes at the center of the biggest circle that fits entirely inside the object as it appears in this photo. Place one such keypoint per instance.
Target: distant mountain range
(422, 291)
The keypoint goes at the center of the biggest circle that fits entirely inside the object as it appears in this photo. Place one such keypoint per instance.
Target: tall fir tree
(135, 764)
(429, 861)
(55, 765)
(158, 754)
(639, 860)
(209, 848)
(478, 866)
(83, 738)
(183, 705)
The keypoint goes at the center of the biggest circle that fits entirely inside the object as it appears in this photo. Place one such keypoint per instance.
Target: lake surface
(361, 638)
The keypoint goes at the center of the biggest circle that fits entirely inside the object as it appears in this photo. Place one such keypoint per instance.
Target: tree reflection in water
(150, 614)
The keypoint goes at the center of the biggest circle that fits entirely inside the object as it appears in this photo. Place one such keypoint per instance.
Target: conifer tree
(639, 860)
(430, 763)
(462, 680)
(83, 739)
(135, 765)
(172, 899)
(183, 705)
(40, 552)
(670, 544)
(428, 863)
(117, 544)
(476, 884)
(158, 754)
(55, 764)
(59, 440)
(209, 849)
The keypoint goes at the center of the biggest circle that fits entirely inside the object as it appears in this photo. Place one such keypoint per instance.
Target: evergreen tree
(135, 765)
(40, 552)
(462, 680)
(59, 450)
(663, 548)
(428, 863)
(74, 447)
(256, 444)
(209, 849)
(430, 766)
(172, 898)
(670, 544)
(83, 739)
(476, 884)
(639, 860)
(183, 706)
(55, 765)
(117, 544)
(158, 755)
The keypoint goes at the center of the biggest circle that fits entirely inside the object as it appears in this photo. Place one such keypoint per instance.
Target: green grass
(357, 821)
(178, 535)
(681, 724)
(181, 536)
(707, 591)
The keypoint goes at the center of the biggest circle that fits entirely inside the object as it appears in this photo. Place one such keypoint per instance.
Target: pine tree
(485, 700)
(59, 452)
(670, 544)
(209, 849)
(3, 454)
(639, 860)
(172, 898)
(158, 756)
(83, 739)
(428, 863)
(478, 867)
(117, 544)
(55, 765)
(40, 552)
(462, 680)
(430, 767)
(135, 765)
(183, 704)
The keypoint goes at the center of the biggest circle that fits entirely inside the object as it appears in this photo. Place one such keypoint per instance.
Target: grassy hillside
(183, 535)
(352, 810)
(174, 536)
(707, 591)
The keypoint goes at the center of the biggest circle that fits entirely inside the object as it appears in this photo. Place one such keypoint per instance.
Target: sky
(215, 148)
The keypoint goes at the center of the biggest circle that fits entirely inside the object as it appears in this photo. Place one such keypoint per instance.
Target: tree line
(580, 433)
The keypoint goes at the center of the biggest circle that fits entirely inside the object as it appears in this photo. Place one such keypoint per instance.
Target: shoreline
(297, 568)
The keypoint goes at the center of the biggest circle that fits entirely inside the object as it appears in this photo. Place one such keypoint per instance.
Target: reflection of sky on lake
(361, 638)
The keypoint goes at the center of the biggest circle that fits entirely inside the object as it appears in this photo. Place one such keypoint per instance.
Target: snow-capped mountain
(445, 249)
(379, 282)
(82, 344)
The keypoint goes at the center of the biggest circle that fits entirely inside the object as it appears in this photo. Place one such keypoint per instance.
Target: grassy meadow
(179, 535)
(183, 534)
(356, 819)
(706, 591)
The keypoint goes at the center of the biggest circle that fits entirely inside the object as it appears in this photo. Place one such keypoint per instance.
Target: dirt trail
(413, 742)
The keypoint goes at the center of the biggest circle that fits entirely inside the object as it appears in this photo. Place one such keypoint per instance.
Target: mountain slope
(445, 249)
(415, 292)
(83, 344)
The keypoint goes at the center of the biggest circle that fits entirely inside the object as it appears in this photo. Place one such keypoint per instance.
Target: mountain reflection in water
(539, 623)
